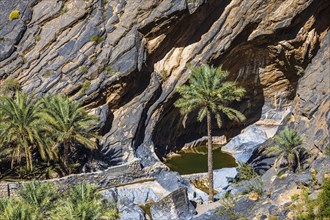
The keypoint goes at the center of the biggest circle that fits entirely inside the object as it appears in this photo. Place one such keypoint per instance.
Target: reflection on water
(195, 160)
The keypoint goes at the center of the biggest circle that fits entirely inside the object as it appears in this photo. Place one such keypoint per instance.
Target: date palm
(288, 146)
(70, 124)
(209, 94)
(84, 202)
(21, 126)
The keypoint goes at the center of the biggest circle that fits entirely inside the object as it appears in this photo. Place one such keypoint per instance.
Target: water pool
(195, 160)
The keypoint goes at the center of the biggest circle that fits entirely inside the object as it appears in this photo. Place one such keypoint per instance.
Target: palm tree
(39, 196)
(210, 94)
(287, 145)
(21, 127)
(70, 124)
(84, 202)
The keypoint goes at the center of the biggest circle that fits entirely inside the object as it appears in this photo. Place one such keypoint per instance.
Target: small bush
(294, 197)
(84, 87)
(315, 209)
(15, 14)
(227, 204)
(327, 151)
(96, 38)
(84, 69)
(245, 171)
(64, 10)
(47, 73)
(324, 200)
(37, 37)
(109, 71)
(9, 85)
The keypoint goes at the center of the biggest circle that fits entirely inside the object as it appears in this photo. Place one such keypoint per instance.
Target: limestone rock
(174, 206)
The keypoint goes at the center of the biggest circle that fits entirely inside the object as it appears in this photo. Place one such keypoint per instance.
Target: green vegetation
(209, 94)
(245, 171)
(69, 123)
(109, 71)
(227, 204)
(10, 85)
(64, 10)
(21, 129)
(38, 200)
(96, 38)
(295, 197)
(37, 37)
(318, 209)
(327, 151)
(84, 69)
(43, 132)
(287, 145)
(15, 14)
(47, 73)
(84, 87)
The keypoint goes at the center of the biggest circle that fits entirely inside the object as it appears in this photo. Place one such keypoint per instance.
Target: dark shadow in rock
(113, 156)
(169, 133)
(107, 124)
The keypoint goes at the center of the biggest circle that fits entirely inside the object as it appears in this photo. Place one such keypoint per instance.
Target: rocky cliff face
(124, 58)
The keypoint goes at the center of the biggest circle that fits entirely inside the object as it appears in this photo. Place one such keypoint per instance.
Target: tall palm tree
(70, 124)
(21, 126)
(210, 94)
(288, 146)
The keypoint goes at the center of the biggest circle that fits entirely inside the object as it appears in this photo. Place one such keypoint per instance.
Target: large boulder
(243, 145)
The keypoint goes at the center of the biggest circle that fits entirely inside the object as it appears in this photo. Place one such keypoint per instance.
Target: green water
(195, 160)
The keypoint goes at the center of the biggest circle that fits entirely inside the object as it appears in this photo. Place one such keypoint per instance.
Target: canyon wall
(124, 58)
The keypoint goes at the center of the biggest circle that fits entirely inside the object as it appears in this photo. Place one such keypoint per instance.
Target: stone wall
(110, 177)
(176, 205)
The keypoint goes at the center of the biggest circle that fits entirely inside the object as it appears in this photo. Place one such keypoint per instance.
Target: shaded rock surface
(134, 53)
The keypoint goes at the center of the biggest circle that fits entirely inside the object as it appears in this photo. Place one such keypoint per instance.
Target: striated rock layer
(124, 58)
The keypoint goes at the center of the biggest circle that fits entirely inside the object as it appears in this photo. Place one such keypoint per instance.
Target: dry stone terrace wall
(176, 205)
(111, 177)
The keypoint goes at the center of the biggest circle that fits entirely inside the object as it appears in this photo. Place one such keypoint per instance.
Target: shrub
(84, 69)
(315, 209)
(227, 204)
(245, 171)
(96, 38)
(85, 86)
(15, 14)
(109, 71)
(327, 151)
(47, 73)
(10, 85)
(37, 37)
(324, 200)
(64, 10)
(294, 197)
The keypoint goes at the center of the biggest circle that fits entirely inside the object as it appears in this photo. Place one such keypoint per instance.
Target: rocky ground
(124, 58)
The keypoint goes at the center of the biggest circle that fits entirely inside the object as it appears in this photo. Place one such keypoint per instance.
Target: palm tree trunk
(298, 160)
(209, 155)
(290, 165)
(65, 156)
(30, 159)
